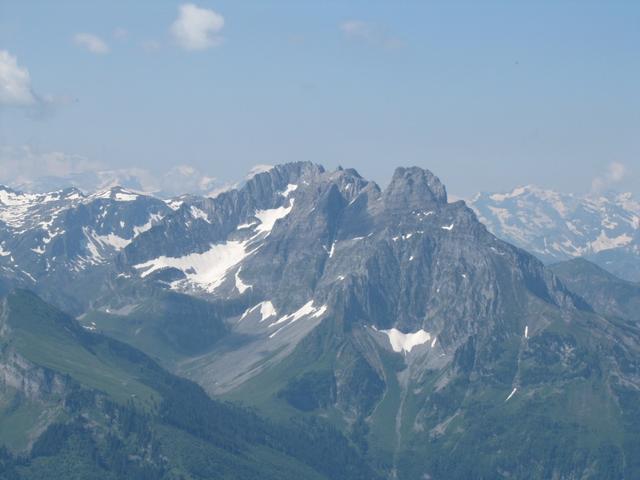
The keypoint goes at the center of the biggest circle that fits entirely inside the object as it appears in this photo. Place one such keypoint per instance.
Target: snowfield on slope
(268, 218)
(404, 342)
(207, 269)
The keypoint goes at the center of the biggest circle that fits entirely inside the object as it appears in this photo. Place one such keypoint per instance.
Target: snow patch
(92, 245)
(603, 242)
(290, 189)
(447, 227)
(240, 285)
(199, 214)
(124, 196)
(174, 204)
(117, 194)
(154, 218)
(92, 327)
(423, 213)
(104, 194)
(206, 269)
(306, 310)
(267, 310)
(268, 218)
(513, 392)
(246, 225)
(111, 240)
(404, 342)
(15, 207)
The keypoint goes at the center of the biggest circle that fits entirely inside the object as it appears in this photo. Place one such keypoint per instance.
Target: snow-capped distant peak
(557, 226)
(118, 194)
(516, 192)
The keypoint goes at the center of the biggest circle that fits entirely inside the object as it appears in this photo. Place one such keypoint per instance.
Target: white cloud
(15, 82)
(22, 164)
(370, 33)
(16, 90)
(256, 169)
(29, 169)
(187, 179)
(615, 173)
(197, 28)
(91, 43)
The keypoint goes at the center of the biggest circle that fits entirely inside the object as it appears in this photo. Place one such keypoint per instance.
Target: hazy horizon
(184, 180)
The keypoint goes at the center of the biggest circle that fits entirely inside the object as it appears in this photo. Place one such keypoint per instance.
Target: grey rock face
(34, 382)
(367, 258)
(414, 186)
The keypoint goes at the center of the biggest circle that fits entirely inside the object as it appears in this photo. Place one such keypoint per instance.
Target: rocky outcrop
(33, 382)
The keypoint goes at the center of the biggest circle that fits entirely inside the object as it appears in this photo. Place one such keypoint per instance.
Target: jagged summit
(296, 235)
(415, 186)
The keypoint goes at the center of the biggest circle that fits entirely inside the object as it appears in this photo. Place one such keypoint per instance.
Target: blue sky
(487, 94)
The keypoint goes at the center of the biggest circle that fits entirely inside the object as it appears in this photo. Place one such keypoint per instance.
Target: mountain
(604, 228)
(440, 350)
(608, 294)
(76, 404)
(61, 243)
(437, 349)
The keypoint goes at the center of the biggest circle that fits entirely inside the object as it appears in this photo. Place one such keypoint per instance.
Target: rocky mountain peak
(288, 172)
(414, 187)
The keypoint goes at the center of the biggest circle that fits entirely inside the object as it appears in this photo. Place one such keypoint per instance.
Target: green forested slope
(83, 406)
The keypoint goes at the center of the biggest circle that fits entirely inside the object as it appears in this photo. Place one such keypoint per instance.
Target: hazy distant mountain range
(604, 228)
(384, 323)
(175, 181)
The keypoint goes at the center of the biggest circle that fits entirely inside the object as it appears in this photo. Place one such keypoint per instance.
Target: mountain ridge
(391, 312)
(602, 227)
